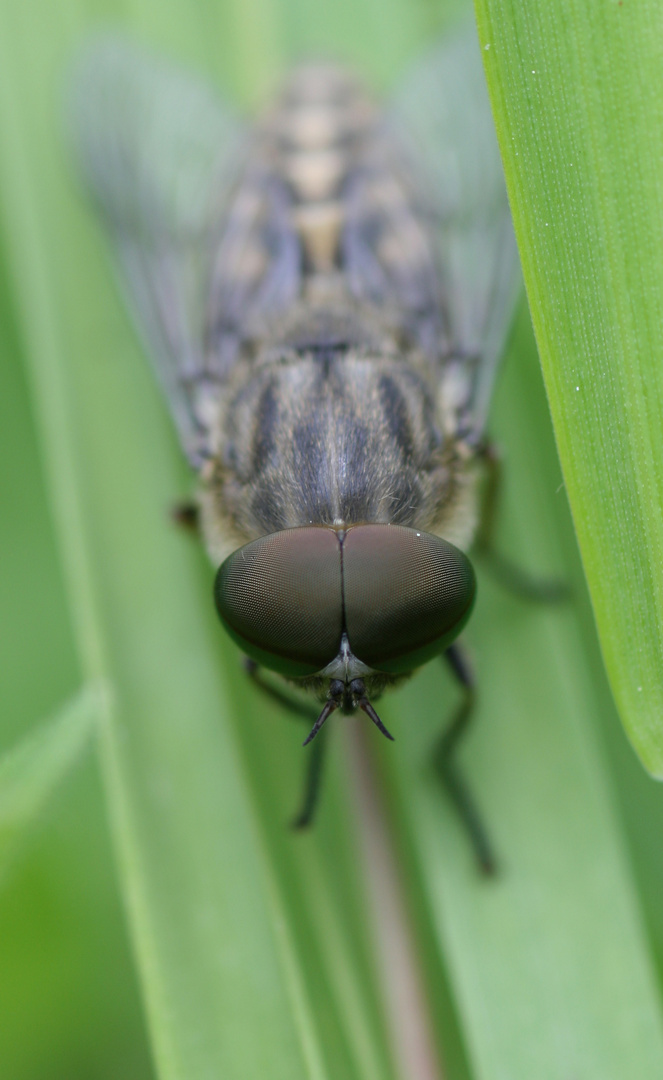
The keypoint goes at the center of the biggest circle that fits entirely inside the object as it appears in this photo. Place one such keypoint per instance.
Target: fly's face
(345, 605)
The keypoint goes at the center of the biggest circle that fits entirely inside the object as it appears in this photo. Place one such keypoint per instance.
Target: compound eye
(280, 598)
(407, 595)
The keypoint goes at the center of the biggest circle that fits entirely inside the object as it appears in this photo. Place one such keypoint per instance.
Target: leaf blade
(578, 119)
(31, 772)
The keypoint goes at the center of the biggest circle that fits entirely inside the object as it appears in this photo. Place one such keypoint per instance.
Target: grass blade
(577, 92)
(31, 772)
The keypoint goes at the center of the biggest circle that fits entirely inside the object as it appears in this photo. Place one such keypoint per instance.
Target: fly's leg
(510, 576)
(445, 762)
(187, 515)
(300, 708)
(312, 783)
(316, 755)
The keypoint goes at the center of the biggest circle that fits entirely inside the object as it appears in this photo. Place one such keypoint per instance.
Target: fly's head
(345, 611)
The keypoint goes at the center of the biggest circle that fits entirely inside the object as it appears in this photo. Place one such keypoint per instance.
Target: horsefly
(325, 298)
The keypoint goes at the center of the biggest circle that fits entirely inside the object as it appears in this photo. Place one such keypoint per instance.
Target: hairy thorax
(334, 435)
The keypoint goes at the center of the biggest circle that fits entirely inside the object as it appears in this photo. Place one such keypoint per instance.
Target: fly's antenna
(358, 691)
(332, 703)
(326, 712)
(370, 711)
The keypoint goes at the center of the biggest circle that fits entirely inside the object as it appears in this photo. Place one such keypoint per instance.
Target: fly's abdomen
(316, 133)
(324, 213)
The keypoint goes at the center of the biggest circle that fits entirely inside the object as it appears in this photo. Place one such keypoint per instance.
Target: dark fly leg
(187, 516)
(299, 708)
(315, 765)
(316, 755)
(504, 571)
(444, 758)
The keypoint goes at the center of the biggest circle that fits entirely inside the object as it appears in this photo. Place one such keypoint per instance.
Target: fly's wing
(159, 153)
(441, 114)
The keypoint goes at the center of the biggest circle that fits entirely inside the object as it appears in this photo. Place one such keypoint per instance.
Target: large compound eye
(280, 598)
(407, 595)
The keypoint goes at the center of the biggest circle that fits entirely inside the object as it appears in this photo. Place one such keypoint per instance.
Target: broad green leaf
(577, 89)
(68, 997)
(31, 772)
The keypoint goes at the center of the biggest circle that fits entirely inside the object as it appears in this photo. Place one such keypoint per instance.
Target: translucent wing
(441, 113)
(159, 153)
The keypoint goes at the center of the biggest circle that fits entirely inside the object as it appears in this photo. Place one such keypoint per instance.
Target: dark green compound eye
(280, 598)
(407, 595)
(402, 596)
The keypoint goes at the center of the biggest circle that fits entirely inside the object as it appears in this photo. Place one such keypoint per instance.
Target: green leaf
(577, 90)
(31, 772)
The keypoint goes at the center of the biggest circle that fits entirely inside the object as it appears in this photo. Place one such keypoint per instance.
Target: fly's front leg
(446, 764)
(510, 576)
(316, 755)
(187, 515)
(299, 708)
(312, 783)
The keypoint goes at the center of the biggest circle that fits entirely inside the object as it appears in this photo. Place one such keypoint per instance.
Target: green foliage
(577, 90)
(32, 771)
(260, 953)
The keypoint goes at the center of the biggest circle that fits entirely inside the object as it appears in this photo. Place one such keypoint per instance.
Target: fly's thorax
(326, 436)
(219, 530)
(458, 513)
(227, 517)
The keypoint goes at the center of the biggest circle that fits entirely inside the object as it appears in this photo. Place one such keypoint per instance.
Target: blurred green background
(68, 995)
(242, 935)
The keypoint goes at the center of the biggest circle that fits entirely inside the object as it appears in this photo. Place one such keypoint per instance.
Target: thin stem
(408, 1017)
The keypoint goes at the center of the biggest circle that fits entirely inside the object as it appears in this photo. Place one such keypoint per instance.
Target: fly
(325, 299)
